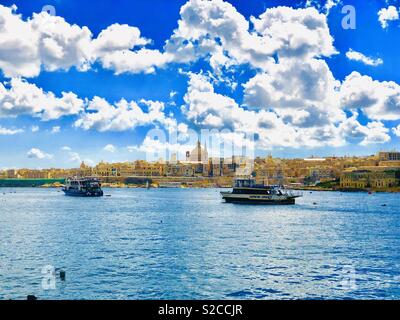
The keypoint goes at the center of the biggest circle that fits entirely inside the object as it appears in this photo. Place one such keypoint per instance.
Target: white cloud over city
(36, 153)
(292, 99)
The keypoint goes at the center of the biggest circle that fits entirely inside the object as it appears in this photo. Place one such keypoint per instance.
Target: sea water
(188, 244)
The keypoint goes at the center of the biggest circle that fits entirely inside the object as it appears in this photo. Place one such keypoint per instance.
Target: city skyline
(89, 87)
(189, 160)
(377, 172)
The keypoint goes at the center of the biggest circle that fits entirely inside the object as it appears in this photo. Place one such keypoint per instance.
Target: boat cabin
(245, 183)
(88, 182)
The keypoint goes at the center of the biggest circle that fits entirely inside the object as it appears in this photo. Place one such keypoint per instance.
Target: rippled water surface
(187, 244)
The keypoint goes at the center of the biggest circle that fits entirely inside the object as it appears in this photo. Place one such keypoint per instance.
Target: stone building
(370, 177)
(389, 156)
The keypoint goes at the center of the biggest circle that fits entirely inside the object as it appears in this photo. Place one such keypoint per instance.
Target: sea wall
(28, 183)
(154, 181)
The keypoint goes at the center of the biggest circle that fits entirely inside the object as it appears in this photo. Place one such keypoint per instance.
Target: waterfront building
(32, 174)
(146, 169)
(389, 156)
(393, 163)
(11, 174)
(370, 177)
(124, 169)
(179, 170)
(355, 179)
(172, 170)
(186, 170)
(102, 169)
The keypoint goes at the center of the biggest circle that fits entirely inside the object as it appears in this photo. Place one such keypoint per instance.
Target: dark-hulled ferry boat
(83, 187)
(245, 190)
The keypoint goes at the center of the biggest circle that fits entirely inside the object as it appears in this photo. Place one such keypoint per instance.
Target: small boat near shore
(83, 187)
(169, 185)
(245, 190)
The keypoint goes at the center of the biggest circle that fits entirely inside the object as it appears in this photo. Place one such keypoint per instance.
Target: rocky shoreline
(164, 182)
(211, 185)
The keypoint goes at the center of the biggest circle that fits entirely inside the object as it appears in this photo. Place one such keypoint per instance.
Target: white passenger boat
(245, 190)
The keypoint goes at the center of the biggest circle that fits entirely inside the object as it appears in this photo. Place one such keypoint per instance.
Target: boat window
(244, 183)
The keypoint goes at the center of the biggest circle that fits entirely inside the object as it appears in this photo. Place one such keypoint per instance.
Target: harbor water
(188, 244)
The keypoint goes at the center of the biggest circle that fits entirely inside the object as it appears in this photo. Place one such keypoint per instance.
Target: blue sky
(225, 84)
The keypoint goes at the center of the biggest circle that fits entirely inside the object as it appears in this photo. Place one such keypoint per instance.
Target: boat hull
(79, 193)
(257, 199)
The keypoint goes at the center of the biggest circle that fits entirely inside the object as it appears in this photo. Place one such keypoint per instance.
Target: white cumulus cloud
(302, 91)
(56, 129)
(19, 97)
(296, 32)
(43, 41)
(215, 29)
(379, 100)
(292, 100)
(387, 14)
(358, 56)
(9, 132)
(123, 115)
(36, 153)
(110, 148)
(373, 132)
(75, 157)
(49, 42)
(209, 109)
(282, 122)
